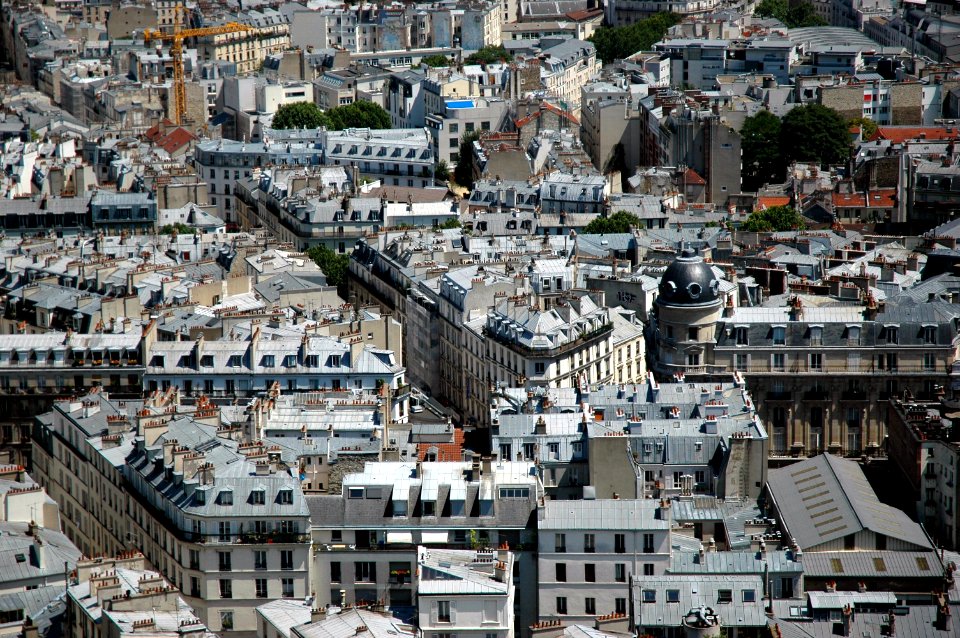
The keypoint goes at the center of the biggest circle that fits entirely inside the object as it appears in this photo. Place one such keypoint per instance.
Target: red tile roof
(445, 451)
(176, 139)
(880, 198)
(769, 201)
(901, 134)
(583, 14)
(691, 177)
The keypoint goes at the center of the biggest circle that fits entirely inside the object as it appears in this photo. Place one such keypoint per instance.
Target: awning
(434, 537)
(399, 537)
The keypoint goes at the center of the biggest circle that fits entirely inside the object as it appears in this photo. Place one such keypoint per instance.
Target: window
(225, 532)
(268, 361)
(648, 543)
(741, 362)
(561, 569)
(620, 543)
(261, 587)
(742, 336)
(225, 561)
(620, 572)
(648, 569)
(335, 572)
(286, 585)
(562, 605)
(620, 606)
(724, 595)
(286, 559)
(539, 367)
(590, 606)
(853, 335)
(649, 595)
(590, 573)
(226, 588)
(355, 492)
(749, 596)
(673, 595)
(693, 333)
(779, 335)
(443, 611)
(514, 492)
(929, 361)
(816, 335)
(778, 362)
(194, 586)
(366, 572)
(257, 497)
(226, 620)
(589, 543)
(929, 334)
(816, 361)
(285, 497)
(259, 559)
(225, 497)
(892, 334)
(560, 543)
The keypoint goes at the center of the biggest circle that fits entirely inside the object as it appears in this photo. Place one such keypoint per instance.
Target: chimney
(943, 613)
(500, 572)
(38, 553)
(317, 614)
(541, 427)
(891, 625)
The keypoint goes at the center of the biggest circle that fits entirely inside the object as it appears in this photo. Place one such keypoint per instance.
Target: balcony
(402, 391)
(779, 395)
(819, 394)
(853, 395)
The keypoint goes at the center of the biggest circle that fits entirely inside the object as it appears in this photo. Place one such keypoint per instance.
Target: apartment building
(79, 449)
(467, 592)
(566, 65)
(268, 32)
(590, 550)
(223, 162)
(224, 521)
(624, 12)
(401, 157)
(695, 63)
(258, 363)
(119, 597)
(923, 447)
(38, 369)
(366, 538)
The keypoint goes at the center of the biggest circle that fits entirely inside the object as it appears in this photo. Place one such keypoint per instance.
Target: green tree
(334, 266)
(441, 171)
(489, 55)
(617, 43)
(792, 14)
(299, 115)
(179, 228)
(773, 219)
(867, 126)
(436, 60)
(619, 222)
(463, 172)
(759, 143)
(815, 133)
(449, 224)
(360, 114)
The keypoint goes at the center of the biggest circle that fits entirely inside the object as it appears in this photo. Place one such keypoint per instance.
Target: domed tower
(686, 313)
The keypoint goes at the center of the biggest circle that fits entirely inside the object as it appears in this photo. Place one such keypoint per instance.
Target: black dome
(688, 281)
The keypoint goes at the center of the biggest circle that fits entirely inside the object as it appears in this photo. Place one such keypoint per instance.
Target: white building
(589, 549)
(401, 157)
(467, 593)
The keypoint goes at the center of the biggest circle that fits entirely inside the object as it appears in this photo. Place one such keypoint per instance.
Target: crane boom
(176, 52)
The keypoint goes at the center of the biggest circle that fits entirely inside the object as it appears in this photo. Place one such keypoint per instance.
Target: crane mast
(176, 39)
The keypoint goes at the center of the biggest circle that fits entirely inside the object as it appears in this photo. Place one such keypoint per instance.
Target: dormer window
(285, 497)
(225, 497)
(257, 497)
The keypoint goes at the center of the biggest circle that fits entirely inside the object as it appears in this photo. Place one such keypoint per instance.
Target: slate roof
(694, 591)
(872, 564)
(844, 504)
(603, 514)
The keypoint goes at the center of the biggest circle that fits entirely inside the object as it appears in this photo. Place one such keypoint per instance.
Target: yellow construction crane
(176, 39)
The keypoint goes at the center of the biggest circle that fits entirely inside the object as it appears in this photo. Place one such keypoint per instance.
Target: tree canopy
(867, 126)
(178, 228)
(489, 55)
(619, 222)
(792, 14)
(617, 43)
(810, 133)
(773, 219)
(360, 114)
(441, 171)
(299, 115)
(815, 133)
(463, 171)
(760, 146)
(334, 266)
(436, 60)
